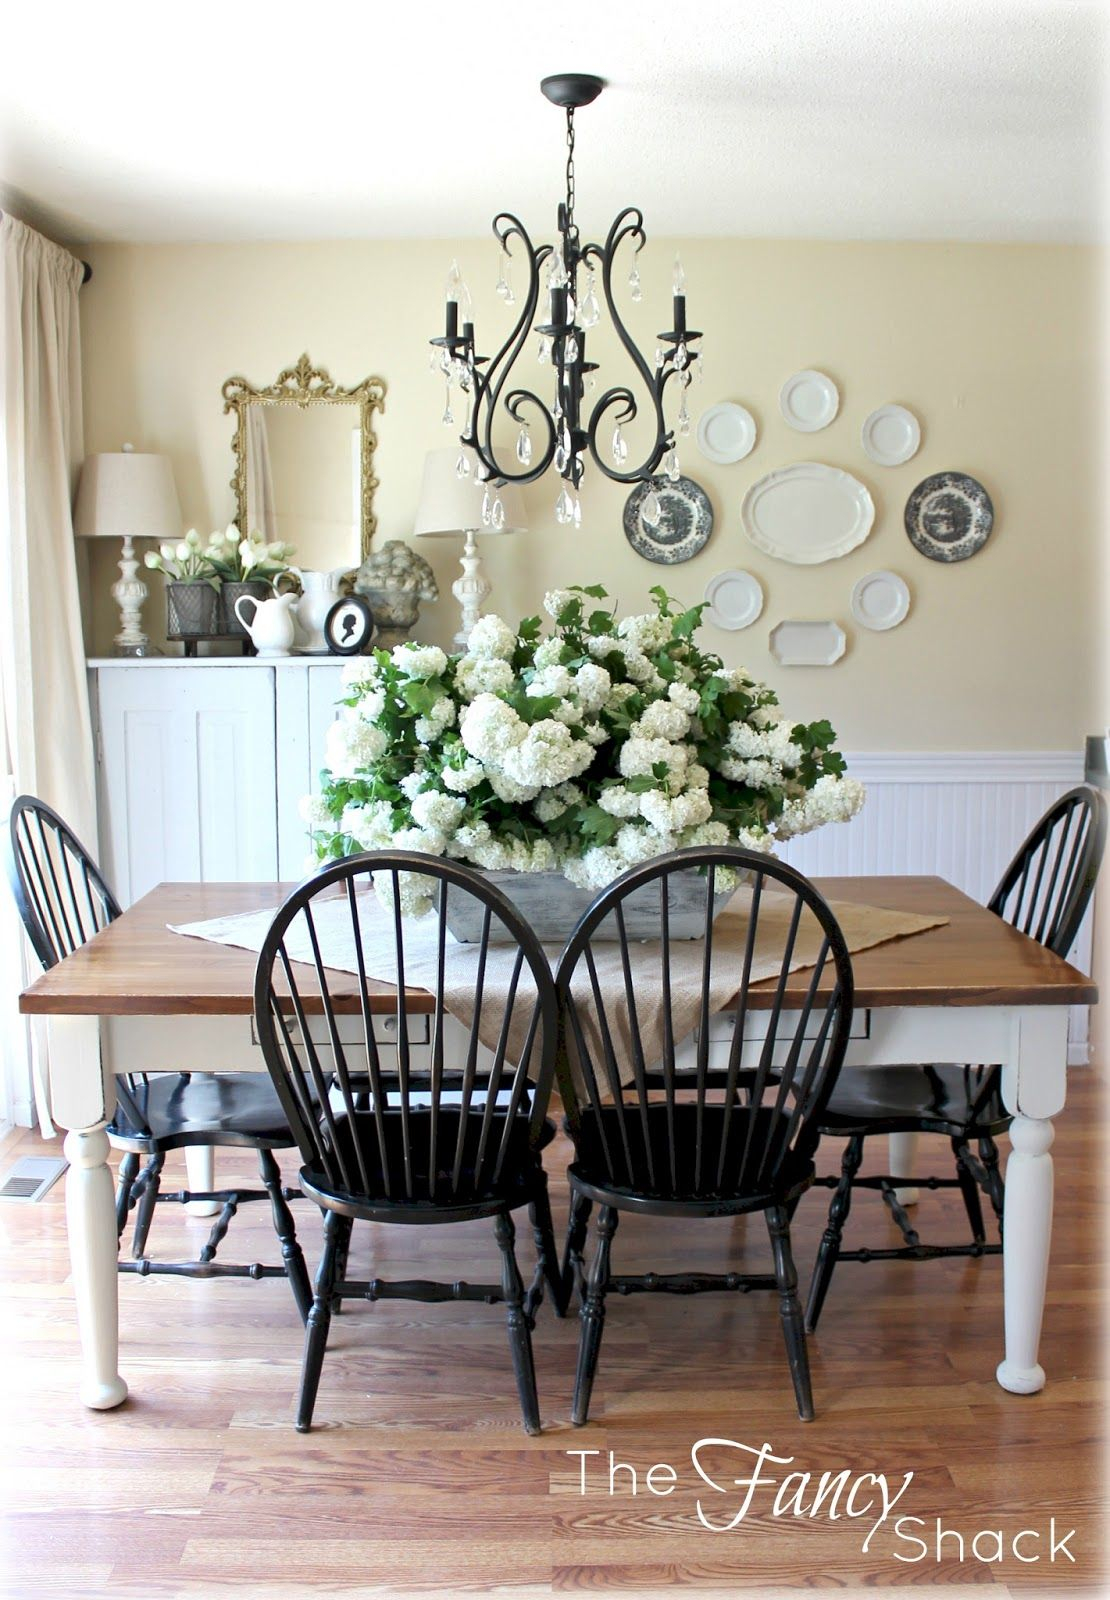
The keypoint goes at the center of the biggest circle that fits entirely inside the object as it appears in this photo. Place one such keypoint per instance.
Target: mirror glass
(304, 480)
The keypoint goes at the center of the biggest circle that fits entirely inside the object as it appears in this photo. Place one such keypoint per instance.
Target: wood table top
(137, 967)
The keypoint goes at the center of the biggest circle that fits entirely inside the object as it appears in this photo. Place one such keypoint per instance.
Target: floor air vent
(31, 1178)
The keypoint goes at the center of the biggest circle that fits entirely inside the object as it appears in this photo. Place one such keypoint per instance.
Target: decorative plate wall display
(807, 513)
(735, 600)
(949, 516)
(685, 520)
(807, 644)
(809, 401)
(726, 433)
(880, 601)
(891, 435)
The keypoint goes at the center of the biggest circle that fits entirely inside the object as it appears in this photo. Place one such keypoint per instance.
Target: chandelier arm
(490, 384)
(623, 397)
(629, 224)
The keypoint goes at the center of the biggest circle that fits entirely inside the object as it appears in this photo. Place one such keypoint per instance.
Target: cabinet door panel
(188, 773)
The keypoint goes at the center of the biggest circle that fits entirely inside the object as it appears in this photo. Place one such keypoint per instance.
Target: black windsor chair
(447, 1131)
(733, 1132)
(63, 900)
(1043, 893)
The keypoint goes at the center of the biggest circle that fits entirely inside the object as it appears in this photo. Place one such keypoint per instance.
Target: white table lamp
(129, 495)
(449, 506)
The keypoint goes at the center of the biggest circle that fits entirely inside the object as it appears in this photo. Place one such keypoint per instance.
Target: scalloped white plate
(809, 401)
(880, 601)
(735, 599)
(807, 513)
(891, 435)
(807, 644)
(726, 433)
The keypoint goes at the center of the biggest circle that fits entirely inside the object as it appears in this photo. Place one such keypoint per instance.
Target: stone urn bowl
(393, 581)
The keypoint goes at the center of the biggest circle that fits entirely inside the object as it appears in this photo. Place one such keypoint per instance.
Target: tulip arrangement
(236, 560)
(187, 562)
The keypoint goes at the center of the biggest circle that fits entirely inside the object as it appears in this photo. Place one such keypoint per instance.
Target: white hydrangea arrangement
(585, 751)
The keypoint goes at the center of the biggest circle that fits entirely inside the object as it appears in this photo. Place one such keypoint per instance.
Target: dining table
(140, 997)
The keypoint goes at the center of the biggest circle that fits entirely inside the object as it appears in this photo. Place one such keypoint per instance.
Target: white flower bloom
(416, 893)
(672, 816)
(648, 633)
(681, 695)
(491, 639)
(619, 802)
(557, 600)
(550, 680)
(412, 783)
(661, 720)
(352, 747)
(639, 756)
(706, 833)
(697, 776)
(418, 660)
(359, 671)
(474, 675)
(464, 778)
(371, 827)
(549, 653)
(832, 799)
(441, 716)
(592, 685)
(548, 754)
(617, 695)
(512, 790)
(489, 729)
(754, 774)
(316, 813)
(438, 811)
(371, 704)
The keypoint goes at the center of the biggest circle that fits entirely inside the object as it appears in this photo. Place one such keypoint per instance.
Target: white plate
(880, 601)
(807, 513)
(735, 599)
(809, 401)
(726, 433)
(807, 644)
(891, 435)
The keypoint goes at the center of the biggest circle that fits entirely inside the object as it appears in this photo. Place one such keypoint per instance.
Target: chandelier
(571, 426)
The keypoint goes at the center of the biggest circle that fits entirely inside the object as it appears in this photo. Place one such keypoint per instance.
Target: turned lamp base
(472, 590)
(129, 591)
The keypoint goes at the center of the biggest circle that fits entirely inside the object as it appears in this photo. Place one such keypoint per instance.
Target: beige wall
(995, 347)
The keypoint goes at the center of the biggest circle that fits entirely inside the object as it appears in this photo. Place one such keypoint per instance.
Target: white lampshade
(127, 495)
(453, 505)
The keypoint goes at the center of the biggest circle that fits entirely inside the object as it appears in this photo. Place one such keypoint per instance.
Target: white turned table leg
(91, 1222)
(1026, 1237)
(200, 1165)
(901, 1155)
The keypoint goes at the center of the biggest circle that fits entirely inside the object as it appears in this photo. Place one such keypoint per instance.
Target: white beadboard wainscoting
(960, 816)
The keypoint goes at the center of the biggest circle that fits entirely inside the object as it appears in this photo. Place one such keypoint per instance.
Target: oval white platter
(726, 433)
(809, 401)
(807, 513)
(880, 601)
(807, 644)
(891, 435)
(735, 599)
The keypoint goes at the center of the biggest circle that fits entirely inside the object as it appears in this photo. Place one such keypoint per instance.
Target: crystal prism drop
(448, 418)
(577, 512)
(497, 515)
(683, 417)
(462, 466)
(660, 355)
(671, 466)
(487, 508)
(524, 447)
(590, 311)
(561, 457)
(541, 353)
(681, 356)
(445, 364)
(634, 284)
(620, 447)
(651, 510)
(571, 353)
(564, 508)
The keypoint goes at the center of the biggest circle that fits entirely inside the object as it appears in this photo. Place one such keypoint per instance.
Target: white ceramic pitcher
(321, 591)
(271, 627)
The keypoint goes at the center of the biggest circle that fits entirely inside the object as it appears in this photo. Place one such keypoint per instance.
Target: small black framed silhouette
(349, 626)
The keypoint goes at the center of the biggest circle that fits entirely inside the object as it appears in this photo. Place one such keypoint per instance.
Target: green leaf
(594, 590)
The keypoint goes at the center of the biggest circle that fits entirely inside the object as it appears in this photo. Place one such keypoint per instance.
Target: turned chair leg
(128, 1167)
(319, 1321)
(151, 1179)
(292, 1255)
(520, 1335)
(580, 1207)
(790, 1309)
(342, 1254)
(543, 1234)
(829, 1248)
(593, 1315)
(996, 1189)
(970, 1191)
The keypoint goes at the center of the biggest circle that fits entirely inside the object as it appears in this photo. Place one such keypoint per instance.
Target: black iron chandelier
(486, 386)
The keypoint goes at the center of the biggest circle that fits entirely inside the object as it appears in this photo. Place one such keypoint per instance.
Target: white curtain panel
(43, 687)
(261, 511)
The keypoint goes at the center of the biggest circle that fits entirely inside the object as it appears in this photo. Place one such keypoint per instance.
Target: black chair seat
(916, 1099)
(204, 1108)
(612, 1171)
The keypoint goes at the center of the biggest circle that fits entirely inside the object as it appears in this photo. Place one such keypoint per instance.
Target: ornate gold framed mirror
(304, 463)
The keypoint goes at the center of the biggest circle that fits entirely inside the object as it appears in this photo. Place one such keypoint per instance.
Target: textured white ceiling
(854, 119)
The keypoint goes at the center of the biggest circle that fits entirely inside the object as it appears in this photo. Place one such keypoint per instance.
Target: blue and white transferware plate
(685, 520)
(949, 516)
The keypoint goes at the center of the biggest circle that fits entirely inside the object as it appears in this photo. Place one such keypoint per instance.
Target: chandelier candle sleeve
(489, 386)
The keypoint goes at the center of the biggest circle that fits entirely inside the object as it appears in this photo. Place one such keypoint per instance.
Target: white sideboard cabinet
(202, 765)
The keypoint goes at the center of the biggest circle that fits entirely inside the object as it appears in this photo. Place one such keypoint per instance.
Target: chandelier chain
(570, 170)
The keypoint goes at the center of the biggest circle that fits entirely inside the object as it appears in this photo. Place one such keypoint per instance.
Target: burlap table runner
(863, 926)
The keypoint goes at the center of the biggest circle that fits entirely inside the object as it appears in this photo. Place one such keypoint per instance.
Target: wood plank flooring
(418, 1479)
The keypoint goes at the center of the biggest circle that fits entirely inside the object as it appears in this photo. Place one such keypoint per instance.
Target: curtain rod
(86, 273)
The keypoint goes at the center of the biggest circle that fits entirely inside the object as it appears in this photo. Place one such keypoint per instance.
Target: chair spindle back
(1045, 890)
(59, 893)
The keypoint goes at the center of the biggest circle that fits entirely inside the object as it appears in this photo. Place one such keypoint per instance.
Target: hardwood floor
(419, 1480)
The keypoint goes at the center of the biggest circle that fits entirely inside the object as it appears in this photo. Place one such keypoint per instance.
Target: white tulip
(183, 552)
